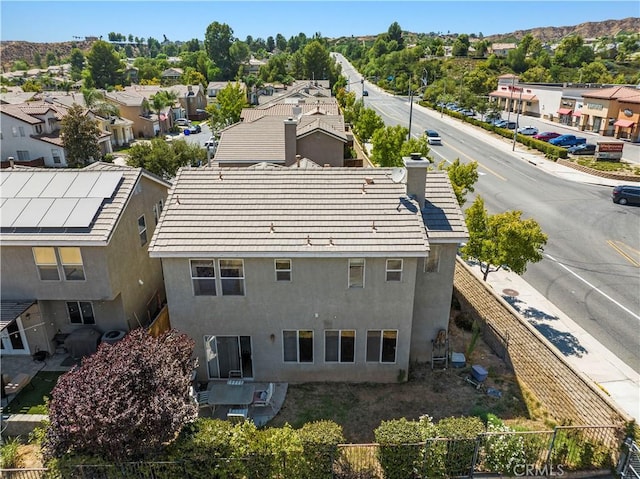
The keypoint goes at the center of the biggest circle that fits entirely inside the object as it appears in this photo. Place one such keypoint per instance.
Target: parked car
(626, 194)
(528, 130)
(583, 149)
(182, 122)
(567, 140)
(546, 135)
(210, 143)
(365, 93)
(510, 125)
(433, 138)
(194, 129)
(467, 112)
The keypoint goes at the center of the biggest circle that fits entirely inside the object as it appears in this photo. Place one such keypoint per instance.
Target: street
(592, 259)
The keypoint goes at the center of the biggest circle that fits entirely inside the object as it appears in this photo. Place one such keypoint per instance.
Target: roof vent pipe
(12, 162)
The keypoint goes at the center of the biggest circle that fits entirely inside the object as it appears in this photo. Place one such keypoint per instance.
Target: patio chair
(440, 350)
(265, 397)
(202, 398)
(15, 384)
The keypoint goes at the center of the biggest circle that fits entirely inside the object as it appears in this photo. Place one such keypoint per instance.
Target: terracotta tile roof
(272, 211)
(621, 93)
(260, 140)
(515, 95)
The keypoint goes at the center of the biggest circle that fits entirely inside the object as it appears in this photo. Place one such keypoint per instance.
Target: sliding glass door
(228, 356)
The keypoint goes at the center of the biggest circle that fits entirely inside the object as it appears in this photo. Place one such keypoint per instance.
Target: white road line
(594, 288)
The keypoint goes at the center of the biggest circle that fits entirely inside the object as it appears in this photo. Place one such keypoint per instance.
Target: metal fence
(542, 453)
(629, 466)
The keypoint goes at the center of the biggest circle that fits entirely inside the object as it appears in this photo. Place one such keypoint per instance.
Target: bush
(464, 320)
(504, 452)
(320, 441)
(400, 450)
(10, 453)
(462, 433)
(126, 401)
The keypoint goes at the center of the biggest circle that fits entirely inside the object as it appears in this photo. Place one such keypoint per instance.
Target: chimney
(416, 166)
(290, 141)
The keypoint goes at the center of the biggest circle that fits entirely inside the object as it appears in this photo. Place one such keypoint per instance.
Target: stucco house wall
(321, 148)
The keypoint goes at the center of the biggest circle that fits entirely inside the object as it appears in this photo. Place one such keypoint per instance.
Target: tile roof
(10, 310)
(29, 112)
(620, 93)
(261, 140)
(101, 228)
(272, 211)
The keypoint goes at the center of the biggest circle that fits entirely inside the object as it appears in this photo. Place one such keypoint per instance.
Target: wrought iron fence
(543, 453)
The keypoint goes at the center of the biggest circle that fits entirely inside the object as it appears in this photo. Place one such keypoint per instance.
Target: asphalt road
(592, 259)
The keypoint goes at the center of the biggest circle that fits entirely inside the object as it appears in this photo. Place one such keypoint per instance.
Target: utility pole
(410, 109)
(513, 81)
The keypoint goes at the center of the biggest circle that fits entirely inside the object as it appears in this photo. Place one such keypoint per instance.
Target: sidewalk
(581, 350)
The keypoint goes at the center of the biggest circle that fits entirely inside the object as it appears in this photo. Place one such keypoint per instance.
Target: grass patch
(604, 165)
(31, 400)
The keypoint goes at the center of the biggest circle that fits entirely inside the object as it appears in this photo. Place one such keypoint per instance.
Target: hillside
(17, 50)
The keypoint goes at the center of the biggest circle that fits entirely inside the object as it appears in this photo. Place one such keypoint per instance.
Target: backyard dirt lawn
(360, 408)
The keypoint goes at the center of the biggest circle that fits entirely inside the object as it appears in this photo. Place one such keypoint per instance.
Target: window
(232, 277)
(142, 230)
(55, 153)
(283, 270)
(71, 261)
(21, 130)
(432, 263)
(23, 155)
(157, 209)
(381, 345)
(394, 270)
(356, 273)
(46, 263)
(298, 346)
(340, 346)
(38, 129)
(80, 312)
(203, 277)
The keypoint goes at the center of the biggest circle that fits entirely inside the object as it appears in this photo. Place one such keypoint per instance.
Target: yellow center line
(618, 247)
(479, 164)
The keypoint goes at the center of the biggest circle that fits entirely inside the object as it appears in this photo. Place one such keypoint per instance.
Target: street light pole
(515, 130)
(410, 109)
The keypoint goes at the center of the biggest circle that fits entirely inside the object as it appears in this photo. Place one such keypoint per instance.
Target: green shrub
(399, 447)
(504, 453)
(462, 433)
(320, 441)
(10, 454)
(464, 320)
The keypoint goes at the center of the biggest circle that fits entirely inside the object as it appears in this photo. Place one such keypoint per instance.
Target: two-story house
(310, 274)
(73, 252)
(30, 134)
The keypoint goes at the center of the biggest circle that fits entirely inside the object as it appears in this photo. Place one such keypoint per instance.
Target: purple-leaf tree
(126, 401)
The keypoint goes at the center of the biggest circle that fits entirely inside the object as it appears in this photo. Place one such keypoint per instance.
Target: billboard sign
(609, 150)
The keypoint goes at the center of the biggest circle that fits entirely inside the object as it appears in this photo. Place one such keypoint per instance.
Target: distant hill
(15, 50)
(585, 30)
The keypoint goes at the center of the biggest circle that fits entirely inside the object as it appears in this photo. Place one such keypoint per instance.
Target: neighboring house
(278, 139)
(134, 104)
(193, 99)
(74, 252)
(310, 274)
(502, 49)
(30, 134)
(172, 75)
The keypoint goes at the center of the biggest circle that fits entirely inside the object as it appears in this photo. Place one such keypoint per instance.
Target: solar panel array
(54, 199)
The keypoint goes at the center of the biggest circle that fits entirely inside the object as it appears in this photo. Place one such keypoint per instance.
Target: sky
(54, 21)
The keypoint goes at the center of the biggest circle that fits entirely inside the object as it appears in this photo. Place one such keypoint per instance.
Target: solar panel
(36, 184)
(11, 209)
(82, 185)
(106, 184)
(83, 213)
(59, 185)
(55, 199)
(13, 184)
(58, 213)
(33, 212)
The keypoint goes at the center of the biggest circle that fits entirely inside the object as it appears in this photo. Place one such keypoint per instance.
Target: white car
(433, 138)
(528, 130)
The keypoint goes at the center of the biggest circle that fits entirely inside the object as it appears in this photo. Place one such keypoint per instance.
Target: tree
(80, 134)
(125, 401)
(502, 241)
(387, 144)
(571, 52)
(217, 42)
(394, 33)
(415, 145)
(164, 159)
(104, 65)
(317, 61)
(230, 102)
(367, 123)
(462, 176)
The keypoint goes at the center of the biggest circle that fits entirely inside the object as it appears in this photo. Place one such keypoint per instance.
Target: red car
(546, 135)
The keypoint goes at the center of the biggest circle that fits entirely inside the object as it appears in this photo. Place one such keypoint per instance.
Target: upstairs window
(23, 155)
(394, 270)
(203, 277)
(232, 277)
(142, 230)
(71, 262)
(46, 263)
(157, 209)
(283, 269)
(55, 154)
(356, 273)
